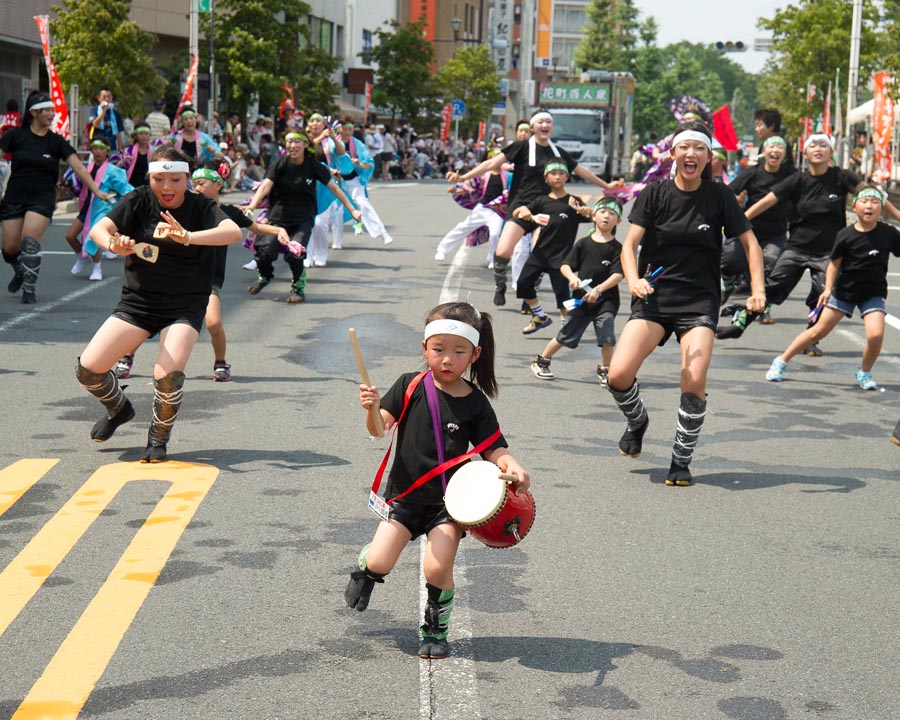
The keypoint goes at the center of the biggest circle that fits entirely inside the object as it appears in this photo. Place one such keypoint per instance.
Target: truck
(592, 119)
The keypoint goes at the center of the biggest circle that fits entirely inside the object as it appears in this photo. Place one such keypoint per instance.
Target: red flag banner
(61, 119)
(826, 112)
(882, 125)
(446, 115)
(287, 107)
(482, 128)
(723, 129)
(368, 103)
(187, 97)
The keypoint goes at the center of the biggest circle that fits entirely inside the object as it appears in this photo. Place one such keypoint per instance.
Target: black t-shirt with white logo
(528, 180)
(466, 421)
(684, 236)
(557, 237)
(221, 251)
(758, 182)
(181, 279)
(819, 207)
(864, 261)
(597, 261)
(35, 165)
(292, 199)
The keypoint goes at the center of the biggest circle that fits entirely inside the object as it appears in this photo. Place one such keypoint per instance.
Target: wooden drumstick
(374, 410)
(507, 477)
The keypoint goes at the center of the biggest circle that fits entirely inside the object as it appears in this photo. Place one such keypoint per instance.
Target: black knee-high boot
(362, 582)
(167, 393)
(13, 259)
(437, 623)
(30, 263)
(632, 407)
(691, 415)
(105, 387)
(501, 266)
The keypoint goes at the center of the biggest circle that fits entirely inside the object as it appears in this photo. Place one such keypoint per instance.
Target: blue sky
(707, 21)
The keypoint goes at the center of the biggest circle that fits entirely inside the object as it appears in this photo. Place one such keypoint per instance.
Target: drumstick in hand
(373, 411)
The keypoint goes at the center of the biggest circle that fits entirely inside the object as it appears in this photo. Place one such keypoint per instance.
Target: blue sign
(458, 108)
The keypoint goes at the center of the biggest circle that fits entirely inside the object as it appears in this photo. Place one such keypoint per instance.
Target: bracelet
(111, 243)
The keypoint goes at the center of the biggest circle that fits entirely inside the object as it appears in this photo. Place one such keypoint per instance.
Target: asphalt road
(211, 586)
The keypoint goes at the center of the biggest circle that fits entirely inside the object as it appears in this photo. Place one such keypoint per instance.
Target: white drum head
(475, 493)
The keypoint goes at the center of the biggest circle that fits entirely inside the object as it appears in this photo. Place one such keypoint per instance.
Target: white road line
(448, 689)
(860, 341)
(892, 320)
(45, 308)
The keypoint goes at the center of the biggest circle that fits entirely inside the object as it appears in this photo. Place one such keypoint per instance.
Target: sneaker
(109, 255)
(261, 282)
(525, 309)
(864, 380)
(813, 351)
(319, 263)
(96, 272)
(250, 265)
(440, 257)
(221, 371)
(387, 239)
(123, 367)
(536, 324)
(80, 264)
(776, 369)
(603, 375)
(540, 366)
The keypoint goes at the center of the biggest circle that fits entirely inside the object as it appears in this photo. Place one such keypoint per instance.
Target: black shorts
(153, 324)
(678, 324)
(528, 279)
(14, 211)
(419, 519)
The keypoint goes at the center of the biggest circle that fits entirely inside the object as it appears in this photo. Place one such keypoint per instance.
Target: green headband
(551, 166)
(869, 192)
(608, 204)
(206, 174)
(348, 125)
(316, 116)
(141, 129)
(100, 143)
(188, 113)
(719, 154)
(774, 140)
(523, 126)
(296, 136)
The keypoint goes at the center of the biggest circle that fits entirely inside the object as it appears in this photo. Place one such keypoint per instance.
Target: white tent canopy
(861, 113)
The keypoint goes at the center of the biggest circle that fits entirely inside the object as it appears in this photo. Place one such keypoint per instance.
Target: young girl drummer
(675, 288)
(457, 338)
(168, 281)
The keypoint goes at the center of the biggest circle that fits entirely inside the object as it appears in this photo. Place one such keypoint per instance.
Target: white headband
(452, 327)
(42, 105)
(174, 166)
(542, 115)
(692, 135)
(819, 137)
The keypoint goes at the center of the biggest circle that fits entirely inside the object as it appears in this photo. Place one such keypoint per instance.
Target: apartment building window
(568, 18)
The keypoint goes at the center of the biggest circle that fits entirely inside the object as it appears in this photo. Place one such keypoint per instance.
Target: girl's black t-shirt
(758, 182)
(864, 265)
(292, 199)
(819, 207)
(528, 182)
(221, 251)
(181, 278)
(597, 261)
(35, 165)
(684, 232)
(466, 421)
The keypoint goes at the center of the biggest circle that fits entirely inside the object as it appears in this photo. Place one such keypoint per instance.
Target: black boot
(501, 265)
(632, 407)
(30, 264)
(691, 414)
(434, 645)
(742, 319)
(167, 394)
(16, 283)
(105, 387)
(362, 582)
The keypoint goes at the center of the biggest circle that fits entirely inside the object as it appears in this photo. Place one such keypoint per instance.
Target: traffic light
(730, 46)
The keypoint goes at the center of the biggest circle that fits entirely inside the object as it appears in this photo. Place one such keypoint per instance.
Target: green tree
(403, 81)
(610, 37)
(96, 46)
(471, 76)
(811, 40)
(260, 45)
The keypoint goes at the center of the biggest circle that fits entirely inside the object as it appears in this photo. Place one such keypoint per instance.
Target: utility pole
(194, 41)
(853, 78)
(526, 57)
(211, 106)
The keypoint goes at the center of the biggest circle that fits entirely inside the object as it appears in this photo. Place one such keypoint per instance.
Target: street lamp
(456, 24)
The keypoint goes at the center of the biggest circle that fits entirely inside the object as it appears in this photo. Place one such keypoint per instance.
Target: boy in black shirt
(558, 216)
(594, 257)
(861, 253)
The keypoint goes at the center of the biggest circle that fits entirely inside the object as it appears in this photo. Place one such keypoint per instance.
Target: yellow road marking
(71, 675)
(18, 478)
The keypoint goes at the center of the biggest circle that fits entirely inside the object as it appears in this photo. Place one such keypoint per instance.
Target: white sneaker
(109, 255)
(80, 264)
(96, 272)
(319, 263)
(440, 257)
(387, 239)
(250, 265)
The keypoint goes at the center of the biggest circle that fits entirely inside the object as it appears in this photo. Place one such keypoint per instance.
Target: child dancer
(595, 257)
(167, 297)
(861, 253)
(558, 215)
(457, 338)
